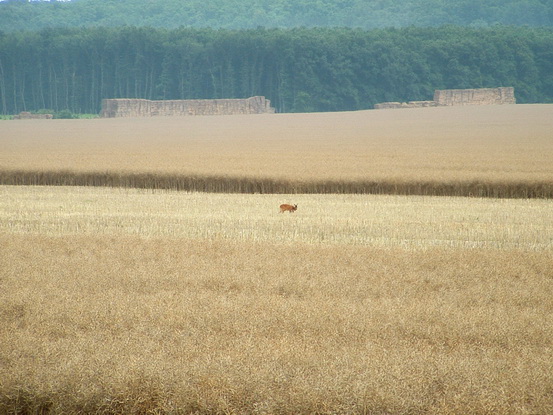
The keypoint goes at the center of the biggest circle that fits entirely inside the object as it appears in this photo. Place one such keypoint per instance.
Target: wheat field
(389, 291)
(410, 222)
(497, 151)
(141, 301)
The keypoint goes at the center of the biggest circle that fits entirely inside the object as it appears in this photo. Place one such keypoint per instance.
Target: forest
(299, 70)
(18, 15)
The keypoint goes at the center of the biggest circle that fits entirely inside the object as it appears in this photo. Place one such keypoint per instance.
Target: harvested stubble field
(411, 222)
(501, 151)
(140, 301)
(119, 300)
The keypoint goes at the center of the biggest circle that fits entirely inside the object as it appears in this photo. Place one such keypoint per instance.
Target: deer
(288, 208)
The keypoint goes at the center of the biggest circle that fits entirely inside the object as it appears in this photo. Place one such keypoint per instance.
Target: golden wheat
(136, 301)
(502, 151)
(149, 301)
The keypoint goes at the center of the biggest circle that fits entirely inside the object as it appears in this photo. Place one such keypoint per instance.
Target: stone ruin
(127, 107)
(24, 115)
(450, 97)
(482, 96)
(410, 104)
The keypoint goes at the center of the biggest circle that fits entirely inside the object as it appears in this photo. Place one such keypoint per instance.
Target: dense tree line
(298, 69)
(241, 14)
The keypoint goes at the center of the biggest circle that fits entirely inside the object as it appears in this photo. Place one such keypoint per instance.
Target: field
(502, 151)
(415, 222)
(135, 301)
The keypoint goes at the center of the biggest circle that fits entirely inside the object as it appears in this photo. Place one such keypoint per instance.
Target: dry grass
(502, 151)
(126, 301)
(414, 222)
(123, 324)
(133, 301)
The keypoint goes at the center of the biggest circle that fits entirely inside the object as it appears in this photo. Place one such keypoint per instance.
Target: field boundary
(253, 185)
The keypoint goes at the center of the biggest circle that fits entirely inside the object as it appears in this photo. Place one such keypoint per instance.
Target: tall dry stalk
(253, 185)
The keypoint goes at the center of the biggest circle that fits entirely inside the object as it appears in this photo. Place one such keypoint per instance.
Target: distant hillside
(240, 14)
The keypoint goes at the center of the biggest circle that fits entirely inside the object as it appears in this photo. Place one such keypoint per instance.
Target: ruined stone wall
(449, 97)
(410, 104)
(145, 108)
(481, 96)
(28, 116)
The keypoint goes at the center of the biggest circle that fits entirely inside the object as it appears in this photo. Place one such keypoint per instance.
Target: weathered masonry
(449, 97)
(24, 115)
(112, 108)
(482, 96)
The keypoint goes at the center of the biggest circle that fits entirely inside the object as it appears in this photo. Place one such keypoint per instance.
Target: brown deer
(288, 208)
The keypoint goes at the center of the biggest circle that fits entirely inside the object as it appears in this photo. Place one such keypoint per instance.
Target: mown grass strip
(253, 185)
